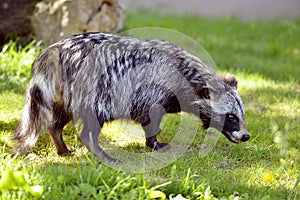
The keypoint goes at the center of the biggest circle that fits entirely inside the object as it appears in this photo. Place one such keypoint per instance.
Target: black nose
(245, 138)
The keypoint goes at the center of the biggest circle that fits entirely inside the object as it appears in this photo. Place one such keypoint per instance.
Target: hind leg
(61, 147)
(60, 119)
(89, 137)
(152, 129)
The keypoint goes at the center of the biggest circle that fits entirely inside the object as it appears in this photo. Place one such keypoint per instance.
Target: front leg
(151, 129)
(89, 137)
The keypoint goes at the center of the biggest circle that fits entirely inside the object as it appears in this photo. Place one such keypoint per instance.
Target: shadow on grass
(10, 126)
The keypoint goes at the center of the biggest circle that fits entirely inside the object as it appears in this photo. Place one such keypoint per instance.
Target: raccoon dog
(96, 78)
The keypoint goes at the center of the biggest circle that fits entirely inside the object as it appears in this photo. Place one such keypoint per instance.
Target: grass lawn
(264, 57)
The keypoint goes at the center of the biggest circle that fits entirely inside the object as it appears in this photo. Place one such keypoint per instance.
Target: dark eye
(233, 118)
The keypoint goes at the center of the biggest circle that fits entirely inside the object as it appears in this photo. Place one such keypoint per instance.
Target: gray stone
(53, 20)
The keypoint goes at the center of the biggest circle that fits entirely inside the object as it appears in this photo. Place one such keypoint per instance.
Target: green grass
(265, 58)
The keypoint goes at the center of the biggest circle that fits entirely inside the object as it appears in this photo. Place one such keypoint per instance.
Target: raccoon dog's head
(226, 112)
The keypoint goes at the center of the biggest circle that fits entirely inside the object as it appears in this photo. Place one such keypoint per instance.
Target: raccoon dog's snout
(245, 138)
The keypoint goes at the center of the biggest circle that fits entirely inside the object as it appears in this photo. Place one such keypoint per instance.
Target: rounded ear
(230, 80)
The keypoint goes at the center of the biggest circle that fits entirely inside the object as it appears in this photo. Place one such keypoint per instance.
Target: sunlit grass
(123, 132)
(15, 65)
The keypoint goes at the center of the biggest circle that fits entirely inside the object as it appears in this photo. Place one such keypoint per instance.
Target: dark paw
(161, 147)
(67, 151)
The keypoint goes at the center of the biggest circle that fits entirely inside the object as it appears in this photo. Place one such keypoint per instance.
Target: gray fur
(96, 78)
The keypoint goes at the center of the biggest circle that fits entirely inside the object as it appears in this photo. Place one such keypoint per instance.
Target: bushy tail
(32, 120)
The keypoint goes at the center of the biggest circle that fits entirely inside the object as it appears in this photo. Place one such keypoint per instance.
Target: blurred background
(243, 9)
(51, 20)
